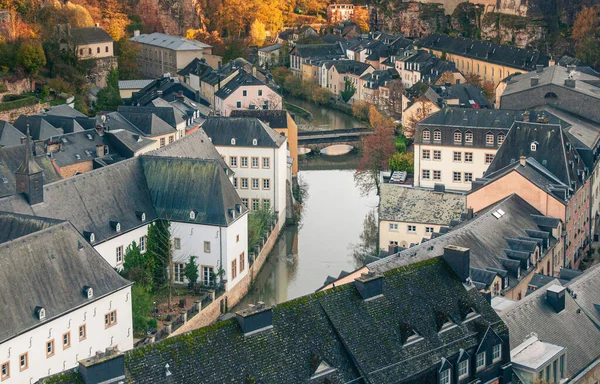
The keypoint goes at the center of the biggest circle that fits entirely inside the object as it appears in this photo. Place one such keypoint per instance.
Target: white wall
(448, 166)
(276, 173)
(108, 249)
(224, 107)
(401, 235)
(98, 338)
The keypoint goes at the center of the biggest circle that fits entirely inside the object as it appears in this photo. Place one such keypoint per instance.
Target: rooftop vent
(254, 319)
(539, 68)
(140, 215)
(369, 285)
(570, 83)
(556, 297)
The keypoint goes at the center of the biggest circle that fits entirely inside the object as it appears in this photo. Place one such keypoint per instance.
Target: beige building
(87, 42)
(341, 12)
(491, 61)
(408, 215)
(269, 56)
(161, 53)
(340, 71)
(128, 87)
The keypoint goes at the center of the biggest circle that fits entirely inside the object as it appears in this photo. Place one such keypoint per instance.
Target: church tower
(29, 176)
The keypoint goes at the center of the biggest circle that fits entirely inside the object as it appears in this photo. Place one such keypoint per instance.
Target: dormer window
(40, 313)
(501, 138)
(254, 142)
(489, 138)
(469, 137)
(193, 214)
(90, 236)
(116, 226)
(472, 314)
(140, 215)
(457, 137)
(437, 135)
(533, 146)
(233, 141)
(426, 135)
(88, 292)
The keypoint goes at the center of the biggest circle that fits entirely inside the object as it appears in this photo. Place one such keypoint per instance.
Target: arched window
(233, 141)
(90, 51)
(98, 50)
(106, 49)
(550, 95)
(81, 52)
(92, 237)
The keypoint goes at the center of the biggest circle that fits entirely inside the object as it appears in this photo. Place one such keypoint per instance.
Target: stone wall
(410, 19)
(509, 29)
(13, 114)
(15, 87)
(211, 313)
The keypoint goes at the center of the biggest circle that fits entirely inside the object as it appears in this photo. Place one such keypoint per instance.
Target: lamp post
(154, 310)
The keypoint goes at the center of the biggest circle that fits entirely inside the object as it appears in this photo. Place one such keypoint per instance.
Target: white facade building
(68, 303)
(258, 156)
(245, 92)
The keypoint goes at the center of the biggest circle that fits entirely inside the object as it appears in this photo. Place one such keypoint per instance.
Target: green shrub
(22, 102)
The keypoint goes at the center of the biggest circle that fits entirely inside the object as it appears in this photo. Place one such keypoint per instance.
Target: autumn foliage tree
(424, 108)
(377, 150)
(586, 35)
(361, 18)
(258, 33)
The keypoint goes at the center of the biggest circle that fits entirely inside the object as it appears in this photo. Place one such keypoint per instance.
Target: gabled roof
(39, 128)
(178, 186)
(176, 43)
(243, 78)
(78, 147)
(553, 151)
(158, 107)
(412, 205)
(62, 110)
(9, 135)
(586, 291)
(319, 50)
(569, 328)
(244, 130)
(134, 84)
(213, 77)
(351, 67)
(15, 226)
(148, 123)
(271, 48)
(274, 118)
(54, 281)
(90, 35)
(506, 55)
(197, 66)
(126, 142)
(485, 235)
(162, 87)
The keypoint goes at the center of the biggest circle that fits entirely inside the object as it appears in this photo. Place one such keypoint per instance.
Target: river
(323, 118)
(329, 239)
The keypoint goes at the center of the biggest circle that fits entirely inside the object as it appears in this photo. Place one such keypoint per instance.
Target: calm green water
(323, 118)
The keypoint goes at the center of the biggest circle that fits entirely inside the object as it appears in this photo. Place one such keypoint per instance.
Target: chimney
(535, 81)
(539, 68)
(136, 33)
(392, 249)
(254, 319)
(570, 83)
(369, 285)
(470, 214)
(99, 150)
(571, 68)
(108, 367)
(556, 297)
(97, 25)
(458, 258)
(523, 161)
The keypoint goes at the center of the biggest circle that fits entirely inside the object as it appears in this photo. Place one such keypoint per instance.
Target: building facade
(245, 91)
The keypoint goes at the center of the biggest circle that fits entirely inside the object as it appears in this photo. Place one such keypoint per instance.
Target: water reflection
(324, 118)
(338, 229)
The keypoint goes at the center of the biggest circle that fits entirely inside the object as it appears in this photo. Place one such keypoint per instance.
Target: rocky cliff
(509, 29)
(410, 19)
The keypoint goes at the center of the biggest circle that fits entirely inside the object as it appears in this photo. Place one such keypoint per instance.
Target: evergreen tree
(191, 270)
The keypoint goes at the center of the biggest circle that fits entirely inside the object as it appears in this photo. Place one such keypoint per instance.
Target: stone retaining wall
(13, 114)
(211, 312)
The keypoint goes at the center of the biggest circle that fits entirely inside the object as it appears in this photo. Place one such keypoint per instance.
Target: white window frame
(439, 153)
(463, 366)
(439, 175)
(446, 377)
(437, 135)
(457, 137)
(480, 355)
(456, 177)
(457, 157)
(469, 137)
(426, 174)
(470, 177)
(393, 227)
(426, 135)
(411, 228)
(501, 138)
(491, 159)
(426, 154)
(489, 139)
(119, 255)
(497, 349)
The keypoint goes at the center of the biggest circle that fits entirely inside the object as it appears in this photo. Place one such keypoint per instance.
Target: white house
(245, 91)
(257, 154)
(62, 302)
(186, 183)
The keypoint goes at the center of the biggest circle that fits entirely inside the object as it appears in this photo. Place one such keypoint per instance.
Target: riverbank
(323, 117)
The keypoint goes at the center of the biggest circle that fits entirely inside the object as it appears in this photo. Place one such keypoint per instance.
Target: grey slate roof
(587, 290)
(176, 43)
(243, 78)
(197, 66)
(78, 147)
(244, 130)
(569, 329)
(134, 84)
(274, 118)
(90, 35)
(127, 143)
(39, 128)
(553, 151)
(361, 341)
(485, 236)
(271, 48)
(177, 186)
(148, 123)
(11, 159)
(163, 87)
(411, 205)
(62, 110)
(506, 55)
(9, 135)
(319, 50)
(167, 113)
(351, 67)
(212, 77)
(195, 145)
(64, 270)
(15, 226)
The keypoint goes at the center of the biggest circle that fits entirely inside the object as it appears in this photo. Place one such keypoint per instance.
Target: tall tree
(31, 57)
(138, 266)
(361, 18)
(348, 92)
(258, 33)
(191, 270)
(586, 35)
(377, 150)
(128, 60)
